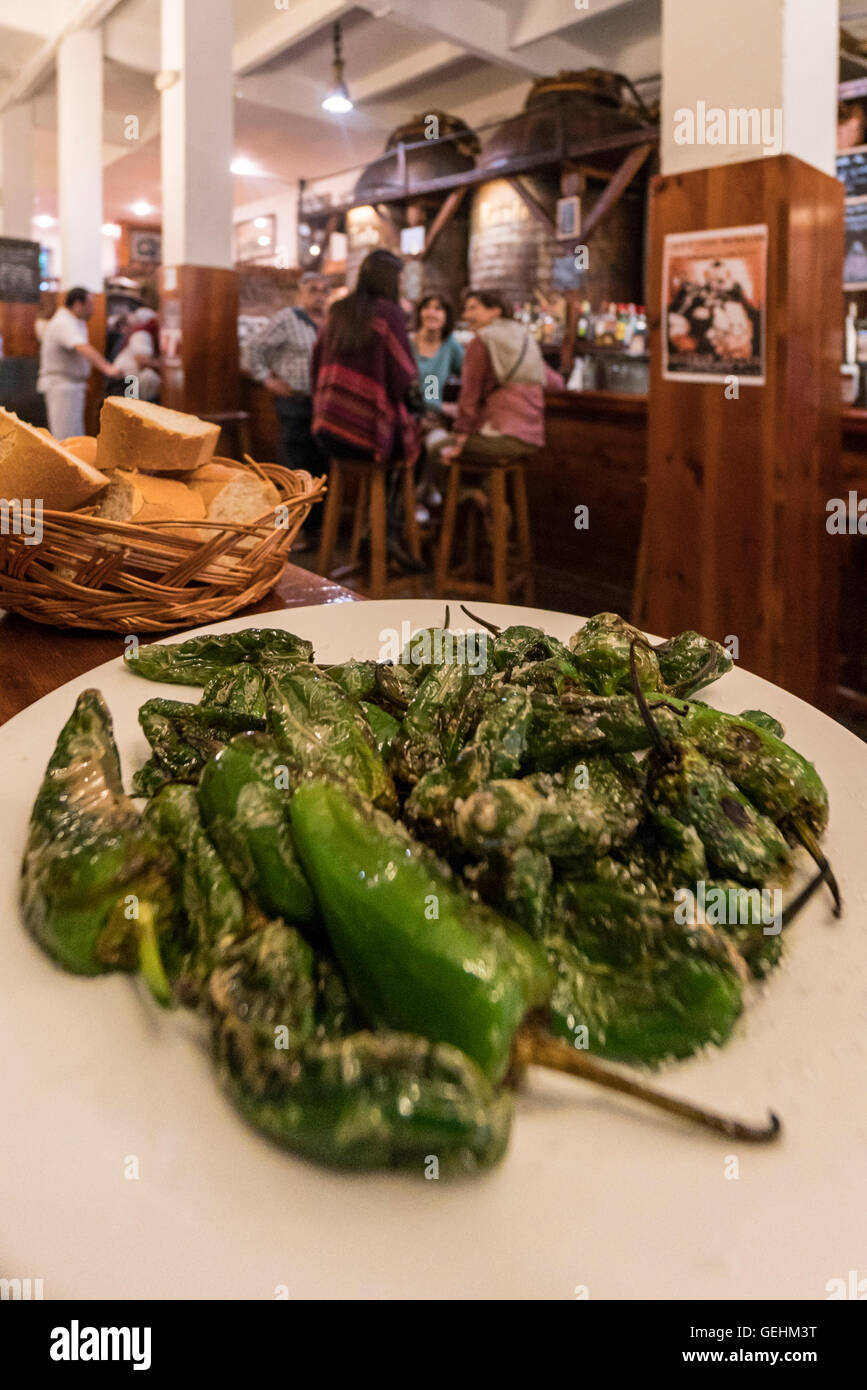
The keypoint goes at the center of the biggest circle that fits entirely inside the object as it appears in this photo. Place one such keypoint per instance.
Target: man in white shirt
(65, 360)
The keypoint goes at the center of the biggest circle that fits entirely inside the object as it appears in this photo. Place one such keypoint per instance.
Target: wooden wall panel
(594, 456)
(734, 540)
(17, 326)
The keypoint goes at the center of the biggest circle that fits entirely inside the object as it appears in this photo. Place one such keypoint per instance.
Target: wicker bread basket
(116, 575)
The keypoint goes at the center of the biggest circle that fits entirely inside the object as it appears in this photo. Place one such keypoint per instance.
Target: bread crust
(152, 439)
(35, 467)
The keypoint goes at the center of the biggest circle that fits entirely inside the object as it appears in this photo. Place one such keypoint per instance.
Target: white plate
(595, 1192)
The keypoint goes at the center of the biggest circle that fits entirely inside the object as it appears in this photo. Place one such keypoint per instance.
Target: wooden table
(35, 659)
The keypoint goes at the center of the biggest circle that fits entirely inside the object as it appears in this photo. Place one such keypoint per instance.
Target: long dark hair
(349, 319)
(491, 300)
(446, 307)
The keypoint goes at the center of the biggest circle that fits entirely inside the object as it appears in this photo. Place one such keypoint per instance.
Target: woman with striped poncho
(363, 373)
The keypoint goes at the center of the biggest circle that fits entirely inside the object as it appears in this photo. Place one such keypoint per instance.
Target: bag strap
(518, 361)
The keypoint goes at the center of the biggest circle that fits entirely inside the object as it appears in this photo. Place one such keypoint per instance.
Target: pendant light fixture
(338, 100)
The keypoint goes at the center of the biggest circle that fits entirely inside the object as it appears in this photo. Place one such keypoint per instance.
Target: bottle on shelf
(639, 336)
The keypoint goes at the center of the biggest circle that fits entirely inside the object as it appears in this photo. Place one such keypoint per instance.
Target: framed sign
(714, 298)
(20, 274)
(855, 262)
(852, 170)
(568, 218)
(145, 247)
(256, 239)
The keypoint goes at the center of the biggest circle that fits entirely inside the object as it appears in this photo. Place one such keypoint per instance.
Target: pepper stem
(803, 897)
(492, 627)
(805, 836)
(150, 964)
(650, 723)
(535, 1047)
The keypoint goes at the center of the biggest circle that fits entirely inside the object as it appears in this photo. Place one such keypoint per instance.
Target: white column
(197, 132)
(747, 79)
(17, 123)
(79, 156)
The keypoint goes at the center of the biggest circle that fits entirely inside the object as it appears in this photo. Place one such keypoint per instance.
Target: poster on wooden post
(714, 296)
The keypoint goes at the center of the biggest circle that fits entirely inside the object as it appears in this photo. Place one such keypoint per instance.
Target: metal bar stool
(370, 510)
(510, 571)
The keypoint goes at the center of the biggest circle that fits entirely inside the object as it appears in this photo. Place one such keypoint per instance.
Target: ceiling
(473, 58)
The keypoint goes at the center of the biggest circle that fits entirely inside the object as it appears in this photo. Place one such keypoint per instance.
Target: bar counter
(595, 457)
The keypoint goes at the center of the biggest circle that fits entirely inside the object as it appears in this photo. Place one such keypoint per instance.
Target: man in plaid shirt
(280, 358)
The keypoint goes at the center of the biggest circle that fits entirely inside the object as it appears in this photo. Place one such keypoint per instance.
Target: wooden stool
(369, 509)
(504, 473)
(236, 421)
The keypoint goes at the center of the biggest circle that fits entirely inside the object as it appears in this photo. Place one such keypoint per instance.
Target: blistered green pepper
(240, 688)
(383, 725)
(601, 653)
(244, 800)
(371, 1100)
(738, 840)
(585, 810)
(213, 907)
(356, 678)
(442, 714)
(321, 731)
(763, 721)
(645, 1013)
(96, 883)
(688, 662)
(183, 737)
(418, 954)
(201, 659)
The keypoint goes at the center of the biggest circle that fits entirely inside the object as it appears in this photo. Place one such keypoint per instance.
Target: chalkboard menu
(19, 271)
(852, 170)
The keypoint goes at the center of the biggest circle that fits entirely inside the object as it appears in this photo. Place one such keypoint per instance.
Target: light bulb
(338, 103)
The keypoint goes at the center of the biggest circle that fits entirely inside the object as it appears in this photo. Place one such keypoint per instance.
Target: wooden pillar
(199, 338)
(734, 540)
(96, 381)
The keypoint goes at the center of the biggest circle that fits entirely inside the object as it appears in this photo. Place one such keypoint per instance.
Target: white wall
(50, 237)
(283, 204)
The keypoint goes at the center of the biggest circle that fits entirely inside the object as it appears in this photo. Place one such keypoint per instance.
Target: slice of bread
(83, 446)
(36, 467)
(147, 437)
(142, 499)
(232, 492)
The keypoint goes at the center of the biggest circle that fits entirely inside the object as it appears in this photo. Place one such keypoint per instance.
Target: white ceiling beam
(421, 64)
(87, 15)
(133, 45)
(302, 96)
(289, 27)
(38, 20)
(542, 18)
(484, 31)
